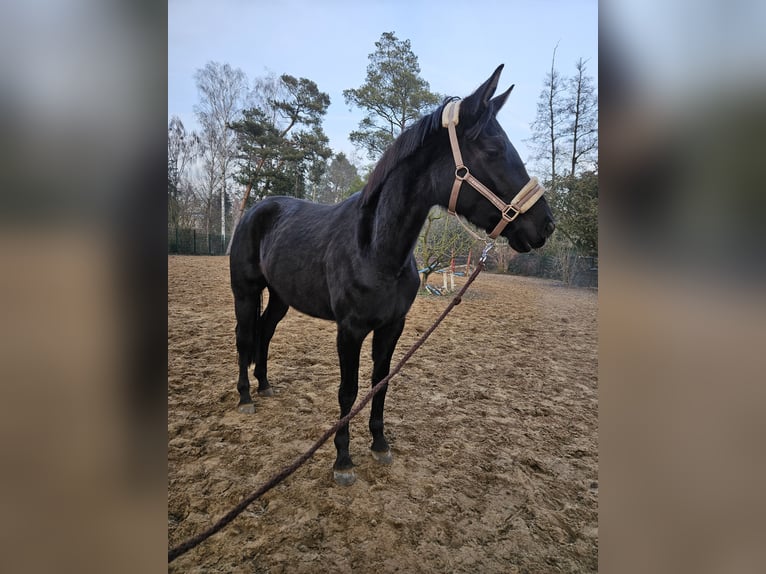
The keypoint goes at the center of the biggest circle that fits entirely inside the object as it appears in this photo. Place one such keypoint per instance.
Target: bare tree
(565, 137)
(549, 125)
(440, 237)
(267, 89)
(582, 108)
(183, 150)
(221, 89)
(501, 256)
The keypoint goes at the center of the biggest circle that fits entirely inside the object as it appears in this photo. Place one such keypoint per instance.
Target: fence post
(194, 241)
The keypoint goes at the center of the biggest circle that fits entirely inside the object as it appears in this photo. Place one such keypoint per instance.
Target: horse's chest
(381, 302)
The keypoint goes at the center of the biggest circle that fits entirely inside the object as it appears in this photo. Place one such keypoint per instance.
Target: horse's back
(310, 255)
(281, 242)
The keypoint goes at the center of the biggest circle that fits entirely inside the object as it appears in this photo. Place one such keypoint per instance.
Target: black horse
(353, 262)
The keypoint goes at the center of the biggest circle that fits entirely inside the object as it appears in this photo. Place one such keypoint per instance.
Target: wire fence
(182, 241)
(576, 270)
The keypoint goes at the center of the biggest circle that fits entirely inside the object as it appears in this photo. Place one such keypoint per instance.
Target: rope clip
(487, 248)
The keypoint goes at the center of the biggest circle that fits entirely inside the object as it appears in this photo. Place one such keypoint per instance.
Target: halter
(523, 201)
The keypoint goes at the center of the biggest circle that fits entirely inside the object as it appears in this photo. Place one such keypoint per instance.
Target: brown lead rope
(190, 543)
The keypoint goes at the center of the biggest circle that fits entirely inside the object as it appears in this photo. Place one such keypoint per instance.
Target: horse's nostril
(550, 228)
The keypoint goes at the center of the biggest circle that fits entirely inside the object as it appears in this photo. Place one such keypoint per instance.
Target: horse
(353, 262)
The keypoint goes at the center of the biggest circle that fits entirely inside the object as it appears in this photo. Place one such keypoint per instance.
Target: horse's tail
(255, 331)
(248, 293)
(248, 312)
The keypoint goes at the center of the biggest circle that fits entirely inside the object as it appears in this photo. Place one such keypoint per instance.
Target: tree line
(265, 137)
(565, 151)
(255, 140)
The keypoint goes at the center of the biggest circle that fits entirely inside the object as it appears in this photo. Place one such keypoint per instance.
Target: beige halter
(524, 200)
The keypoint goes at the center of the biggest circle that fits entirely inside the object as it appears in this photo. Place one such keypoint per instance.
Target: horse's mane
(402, 148)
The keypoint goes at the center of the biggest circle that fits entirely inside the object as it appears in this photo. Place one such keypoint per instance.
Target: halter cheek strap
(521, 203)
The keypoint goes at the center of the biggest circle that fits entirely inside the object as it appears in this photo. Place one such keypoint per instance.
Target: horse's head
(492, 188)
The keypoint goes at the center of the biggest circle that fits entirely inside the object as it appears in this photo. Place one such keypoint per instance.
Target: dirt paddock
(493, 426)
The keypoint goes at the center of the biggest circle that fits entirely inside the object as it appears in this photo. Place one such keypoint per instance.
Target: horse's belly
(304, 293)
(314, 309)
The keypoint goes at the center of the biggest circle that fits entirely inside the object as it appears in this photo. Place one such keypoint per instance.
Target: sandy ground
(493, 425)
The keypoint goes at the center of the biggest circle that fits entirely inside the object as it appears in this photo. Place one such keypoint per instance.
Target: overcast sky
(458, 45)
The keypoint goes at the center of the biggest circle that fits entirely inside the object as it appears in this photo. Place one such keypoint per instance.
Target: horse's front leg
(383, 344)
(349, 346)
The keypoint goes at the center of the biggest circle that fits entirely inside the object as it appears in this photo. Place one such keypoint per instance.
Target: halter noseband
(524, 200)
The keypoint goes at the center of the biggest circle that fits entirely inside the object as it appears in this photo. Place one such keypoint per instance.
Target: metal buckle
(505, 211)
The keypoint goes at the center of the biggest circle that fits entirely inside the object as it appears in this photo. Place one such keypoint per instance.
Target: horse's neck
(401, 212)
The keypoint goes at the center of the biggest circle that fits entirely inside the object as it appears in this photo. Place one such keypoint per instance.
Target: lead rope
(486, 240)
(194, 541)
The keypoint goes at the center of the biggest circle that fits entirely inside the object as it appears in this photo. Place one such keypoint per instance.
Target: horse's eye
(495, 152)
(495, 148)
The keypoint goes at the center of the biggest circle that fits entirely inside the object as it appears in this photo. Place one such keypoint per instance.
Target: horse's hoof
(268, 392)
(247, 409)
(382, 457)
(344, 477)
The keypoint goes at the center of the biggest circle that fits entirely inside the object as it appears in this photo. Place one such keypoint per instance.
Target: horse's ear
(499, 101)
(477, 102)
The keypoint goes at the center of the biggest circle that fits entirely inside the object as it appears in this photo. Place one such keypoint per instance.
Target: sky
(458, 45)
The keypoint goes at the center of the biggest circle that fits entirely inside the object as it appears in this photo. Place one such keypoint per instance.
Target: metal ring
(457, 172)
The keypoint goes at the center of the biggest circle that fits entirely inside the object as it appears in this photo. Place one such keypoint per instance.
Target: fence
(534, 264)
(195, 242)
(585, 272)
(581, 271)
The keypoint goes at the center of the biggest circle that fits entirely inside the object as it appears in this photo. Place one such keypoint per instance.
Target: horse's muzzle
(549, 228)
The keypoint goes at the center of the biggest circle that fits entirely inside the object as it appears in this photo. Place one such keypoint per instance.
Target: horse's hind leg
(384, 342)
(274, 313)
(247, 308)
